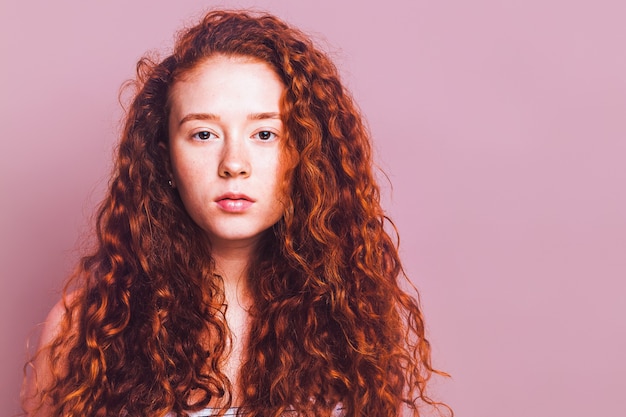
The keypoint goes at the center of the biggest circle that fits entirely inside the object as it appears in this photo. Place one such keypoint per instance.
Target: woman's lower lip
(234, 206)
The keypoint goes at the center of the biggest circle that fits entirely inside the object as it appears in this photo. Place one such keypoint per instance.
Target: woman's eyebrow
(215, 117)
(198, 116)
(262, 116)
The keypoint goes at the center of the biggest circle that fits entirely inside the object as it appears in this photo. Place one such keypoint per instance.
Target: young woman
(242, 265)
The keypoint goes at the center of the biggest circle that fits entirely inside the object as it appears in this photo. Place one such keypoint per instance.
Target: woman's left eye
(203, 135)
(265, 135)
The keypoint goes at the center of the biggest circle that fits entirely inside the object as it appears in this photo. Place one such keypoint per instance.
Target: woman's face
(225, 146)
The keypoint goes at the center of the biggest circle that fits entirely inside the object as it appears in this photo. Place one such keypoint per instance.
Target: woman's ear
(165, 154)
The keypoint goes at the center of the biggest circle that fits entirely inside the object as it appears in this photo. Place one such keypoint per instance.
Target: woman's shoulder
(40, 365)
(52, 325)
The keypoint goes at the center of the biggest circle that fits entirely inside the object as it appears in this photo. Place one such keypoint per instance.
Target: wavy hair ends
(330, 322)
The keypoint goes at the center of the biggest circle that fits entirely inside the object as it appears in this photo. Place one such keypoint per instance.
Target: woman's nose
(234, 160)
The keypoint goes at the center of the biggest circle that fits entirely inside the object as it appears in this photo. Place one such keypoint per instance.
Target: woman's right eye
(203, 135)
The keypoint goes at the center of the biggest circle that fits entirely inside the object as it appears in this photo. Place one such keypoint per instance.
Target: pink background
(501, 124)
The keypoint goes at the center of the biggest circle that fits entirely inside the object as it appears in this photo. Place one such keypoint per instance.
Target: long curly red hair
(330, 323)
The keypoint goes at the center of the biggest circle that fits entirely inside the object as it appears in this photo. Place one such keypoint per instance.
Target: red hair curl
(329, 323)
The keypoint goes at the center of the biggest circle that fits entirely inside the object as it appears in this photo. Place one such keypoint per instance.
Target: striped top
(232, 412)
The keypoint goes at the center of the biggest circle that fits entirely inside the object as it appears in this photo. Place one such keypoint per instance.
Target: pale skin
(225, 152)
(225, 147)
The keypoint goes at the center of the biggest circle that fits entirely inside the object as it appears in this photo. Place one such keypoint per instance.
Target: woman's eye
(266, 135)
(203, 135)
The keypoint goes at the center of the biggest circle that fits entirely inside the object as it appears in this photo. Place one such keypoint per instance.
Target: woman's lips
(234, 203)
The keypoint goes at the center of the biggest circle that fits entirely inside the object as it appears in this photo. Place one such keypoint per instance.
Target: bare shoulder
(53, 323)
(40, 368)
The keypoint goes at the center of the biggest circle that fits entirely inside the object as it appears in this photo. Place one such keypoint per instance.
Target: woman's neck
(232, 261)
(232, 264)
